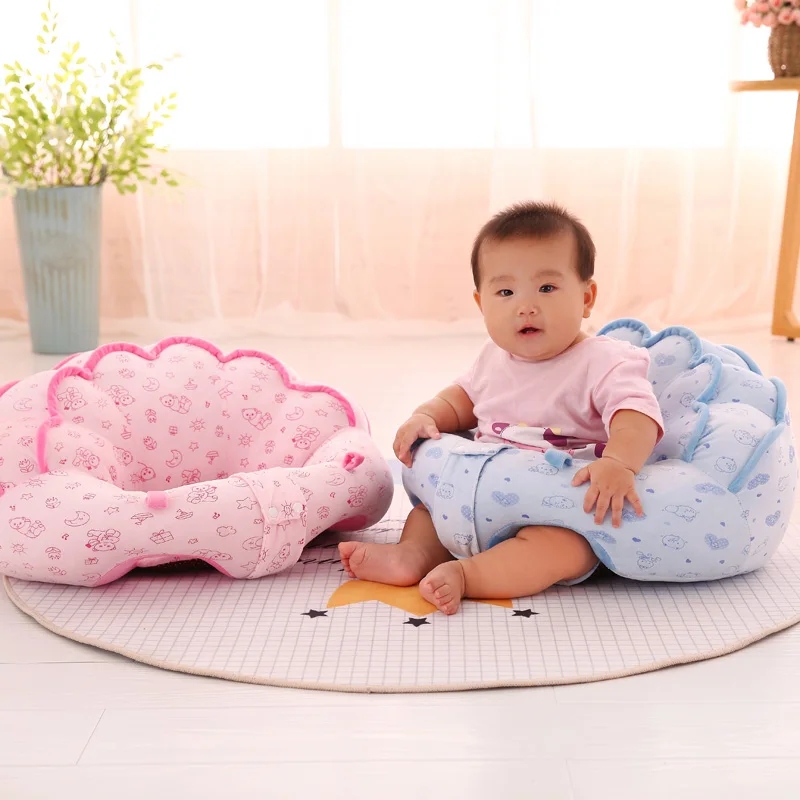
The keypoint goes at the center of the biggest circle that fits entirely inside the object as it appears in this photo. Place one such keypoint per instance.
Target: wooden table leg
(784, 320)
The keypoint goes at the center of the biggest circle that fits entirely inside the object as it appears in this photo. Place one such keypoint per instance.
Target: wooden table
(784, 320)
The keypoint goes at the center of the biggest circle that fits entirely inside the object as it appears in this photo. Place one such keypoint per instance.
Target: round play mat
(311, 627)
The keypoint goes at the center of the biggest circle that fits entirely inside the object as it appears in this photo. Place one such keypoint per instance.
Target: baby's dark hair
(536, 221)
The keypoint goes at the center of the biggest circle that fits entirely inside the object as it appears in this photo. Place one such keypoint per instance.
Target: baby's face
(531, 296)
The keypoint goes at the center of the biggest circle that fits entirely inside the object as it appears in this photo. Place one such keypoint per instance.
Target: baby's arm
(450, 411)
(632, 437)
(622, 394)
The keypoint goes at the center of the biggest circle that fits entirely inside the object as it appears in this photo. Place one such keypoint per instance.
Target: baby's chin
(537, 346)
(532, 348)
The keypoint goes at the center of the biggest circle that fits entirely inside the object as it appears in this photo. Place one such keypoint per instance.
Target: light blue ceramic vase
(59, 240)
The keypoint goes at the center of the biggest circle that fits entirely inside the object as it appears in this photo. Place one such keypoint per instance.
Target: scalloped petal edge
(701, 404)
(64, 370)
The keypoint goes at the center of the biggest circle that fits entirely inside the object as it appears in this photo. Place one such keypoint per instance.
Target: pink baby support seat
(127, 457)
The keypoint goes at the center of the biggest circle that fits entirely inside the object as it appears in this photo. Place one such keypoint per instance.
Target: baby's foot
(396, 564)
(444, 586)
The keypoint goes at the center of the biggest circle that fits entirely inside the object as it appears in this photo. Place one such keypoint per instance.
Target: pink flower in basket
(768, 12)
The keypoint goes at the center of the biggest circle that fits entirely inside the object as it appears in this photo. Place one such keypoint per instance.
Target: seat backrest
(184, 415)
(718, 408)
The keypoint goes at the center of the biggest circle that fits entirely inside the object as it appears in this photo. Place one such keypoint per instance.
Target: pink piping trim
(87, 373)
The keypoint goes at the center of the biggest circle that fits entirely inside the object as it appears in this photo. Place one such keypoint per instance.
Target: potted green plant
(64, 132)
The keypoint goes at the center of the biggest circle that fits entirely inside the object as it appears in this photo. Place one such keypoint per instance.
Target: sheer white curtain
(339, 156)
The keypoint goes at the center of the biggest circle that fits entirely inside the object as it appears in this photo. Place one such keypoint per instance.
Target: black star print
(528, 612)
(416, 622)
(312, 613)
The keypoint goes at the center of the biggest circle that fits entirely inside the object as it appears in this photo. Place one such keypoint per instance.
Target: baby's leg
(403, 564)
(534, 560)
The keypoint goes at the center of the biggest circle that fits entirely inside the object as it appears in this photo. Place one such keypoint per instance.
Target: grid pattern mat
(278, 630)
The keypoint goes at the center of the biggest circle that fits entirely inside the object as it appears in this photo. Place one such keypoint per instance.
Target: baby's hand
(612, 484)
(418, 426)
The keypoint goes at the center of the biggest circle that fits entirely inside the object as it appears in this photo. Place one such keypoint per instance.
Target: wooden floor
(76, 722)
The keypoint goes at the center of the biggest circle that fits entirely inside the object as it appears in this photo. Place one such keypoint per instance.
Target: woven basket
(784, 51)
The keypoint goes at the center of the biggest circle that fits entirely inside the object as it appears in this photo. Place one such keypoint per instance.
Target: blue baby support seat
(717, 491)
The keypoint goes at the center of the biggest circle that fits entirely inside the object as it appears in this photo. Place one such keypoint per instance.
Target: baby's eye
(505, 293)
(547, 288)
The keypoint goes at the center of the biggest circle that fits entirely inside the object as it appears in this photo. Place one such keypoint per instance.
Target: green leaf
(55, 132)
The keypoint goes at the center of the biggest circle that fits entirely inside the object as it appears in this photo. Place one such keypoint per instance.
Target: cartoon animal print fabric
(126, 457)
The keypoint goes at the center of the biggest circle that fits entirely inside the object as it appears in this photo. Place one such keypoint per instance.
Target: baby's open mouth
(529, 330)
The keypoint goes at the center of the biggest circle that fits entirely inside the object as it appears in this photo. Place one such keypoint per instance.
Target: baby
(533, 267)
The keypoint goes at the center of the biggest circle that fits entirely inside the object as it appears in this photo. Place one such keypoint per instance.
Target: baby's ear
(589, 298)
(476, 296)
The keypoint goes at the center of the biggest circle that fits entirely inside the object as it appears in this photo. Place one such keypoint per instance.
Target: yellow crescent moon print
(406, 598)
